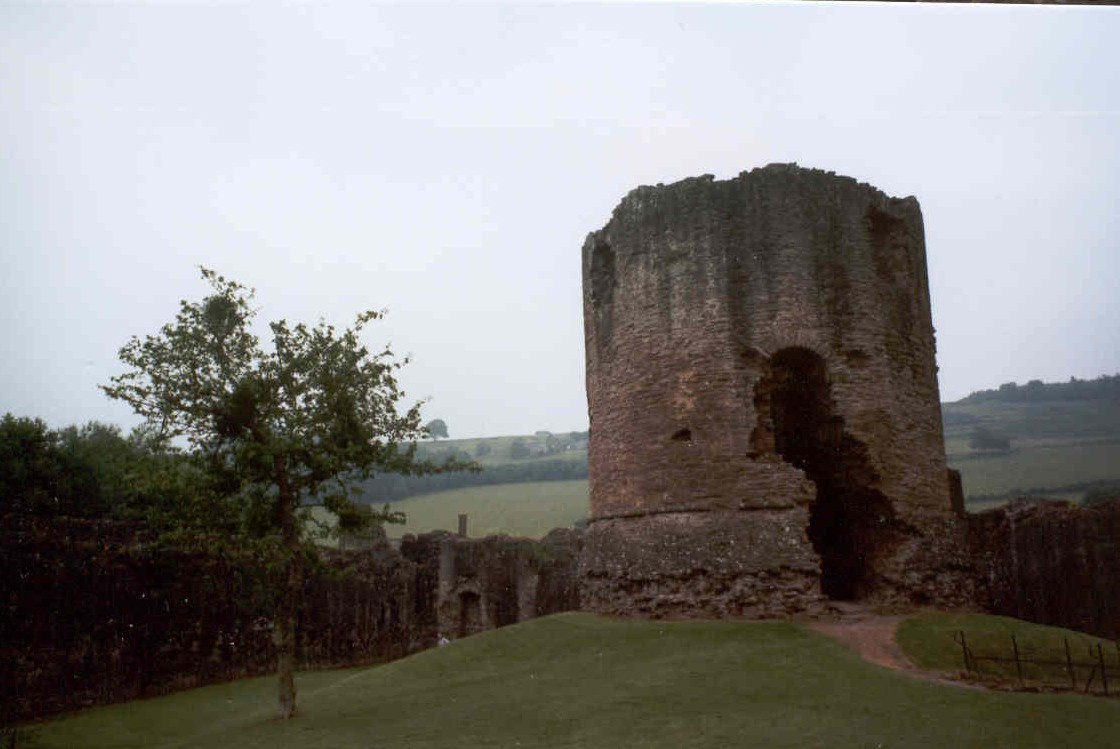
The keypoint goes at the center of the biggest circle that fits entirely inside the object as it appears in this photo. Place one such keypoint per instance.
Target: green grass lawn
(576, 680)
(531, 509)
(929, 641)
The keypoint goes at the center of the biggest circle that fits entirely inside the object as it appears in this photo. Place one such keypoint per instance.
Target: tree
(28, 466)
(436, 428)
(274, 432)
(83, 471)
(482, 450)
(553, 444)
(518, 449)
(983, 438)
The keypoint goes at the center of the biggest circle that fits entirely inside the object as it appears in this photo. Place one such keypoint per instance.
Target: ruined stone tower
(765, 422)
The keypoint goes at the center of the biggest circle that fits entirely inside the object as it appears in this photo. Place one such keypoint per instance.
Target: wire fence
(1088, 668)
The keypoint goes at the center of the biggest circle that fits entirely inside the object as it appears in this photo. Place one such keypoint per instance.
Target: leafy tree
(28, 466)
(83, 471)
(483, 449)
(273, 432)
(436, 428)
(1101, 388)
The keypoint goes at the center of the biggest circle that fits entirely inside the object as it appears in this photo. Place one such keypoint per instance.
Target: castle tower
(765, 422)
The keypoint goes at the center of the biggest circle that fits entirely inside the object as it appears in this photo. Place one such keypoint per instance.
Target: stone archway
(850, 519)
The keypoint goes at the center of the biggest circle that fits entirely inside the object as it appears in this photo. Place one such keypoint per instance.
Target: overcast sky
(446, 163)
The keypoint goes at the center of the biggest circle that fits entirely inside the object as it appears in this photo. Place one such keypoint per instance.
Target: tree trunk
(286, 638)
(285, 632)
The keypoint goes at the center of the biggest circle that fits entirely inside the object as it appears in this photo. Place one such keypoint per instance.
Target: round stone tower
(765, 422)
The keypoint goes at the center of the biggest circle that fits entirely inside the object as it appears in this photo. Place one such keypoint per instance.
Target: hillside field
(517, 509)
(1039, 467)
(1063, 442)
(577, 680)
(1056, 445)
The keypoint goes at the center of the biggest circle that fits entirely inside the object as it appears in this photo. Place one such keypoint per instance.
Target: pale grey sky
(446, 162)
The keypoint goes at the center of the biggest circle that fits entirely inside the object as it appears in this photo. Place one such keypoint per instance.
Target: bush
(982, 438)
(1100, 496)
(387, 488)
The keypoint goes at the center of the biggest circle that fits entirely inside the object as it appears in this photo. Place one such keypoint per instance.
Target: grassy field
(1055, 444)
(518, 509)
(929, 641)
(576, 680)
(1044, 465)
(532, 509)
(1056, 419)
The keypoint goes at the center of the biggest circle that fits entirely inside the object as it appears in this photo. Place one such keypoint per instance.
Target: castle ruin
(765, 423)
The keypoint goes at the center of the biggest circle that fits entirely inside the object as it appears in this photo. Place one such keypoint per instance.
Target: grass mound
(576, 680)
(931, 640)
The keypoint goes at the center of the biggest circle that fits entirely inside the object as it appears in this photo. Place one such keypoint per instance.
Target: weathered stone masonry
(765, 422)
(94, 612)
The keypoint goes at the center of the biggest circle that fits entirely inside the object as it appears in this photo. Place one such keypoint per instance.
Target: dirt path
(872, 636)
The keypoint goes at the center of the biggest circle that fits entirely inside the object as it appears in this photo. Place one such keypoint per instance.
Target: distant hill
(1058, 439)
(1062, 439)
(544, 456)
(1105, 387)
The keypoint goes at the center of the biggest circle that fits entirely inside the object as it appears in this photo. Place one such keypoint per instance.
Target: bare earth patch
(872, 636)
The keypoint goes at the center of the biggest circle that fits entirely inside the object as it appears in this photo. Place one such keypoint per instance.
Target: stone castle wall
(763, 399)
(96, 613)
(1052, 563)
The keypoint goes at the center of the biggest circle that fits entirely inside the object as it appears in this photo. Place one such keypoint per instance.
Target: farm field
(1058, 449)
(530, 509)
(1043, 465)
(576, 680)
(1055, 443)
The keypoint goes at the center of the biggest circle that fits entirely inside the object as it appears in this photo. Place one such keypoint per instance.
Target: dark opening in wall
(682, 435)
(850, 518)
(470, 614)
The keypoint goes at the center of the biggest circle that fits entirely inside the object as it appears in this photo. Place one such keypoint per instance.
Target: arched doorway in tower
(850, 518)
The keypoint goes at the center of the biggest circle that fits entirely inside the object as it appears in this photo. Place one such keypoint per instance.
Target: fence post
(964, 653)
(462, 525)
(1018, 664)
(1069, 666)
(1104, 671)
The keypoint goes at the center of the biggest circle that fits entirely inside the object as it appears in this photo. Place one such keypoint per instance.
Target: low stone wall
(486, 583)
(96, 613)
(1051, 563)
